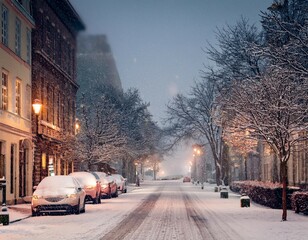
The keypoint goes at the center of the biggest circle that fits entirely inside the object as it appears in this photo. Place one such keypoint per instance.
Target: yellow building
(16, 159)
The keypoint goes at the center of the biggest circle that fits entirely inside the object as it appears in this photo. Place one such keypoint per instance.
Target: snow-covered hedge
(264, 193)
(300, 202)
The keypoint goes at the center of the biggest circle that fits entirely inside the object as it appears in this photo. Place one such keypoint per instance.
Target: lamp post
(37, 106)
(196, 157)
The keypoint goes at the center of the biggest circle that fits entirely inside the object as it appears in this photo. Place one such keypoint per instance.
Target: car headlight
(36, 197)
(90, 187)
(74, 195)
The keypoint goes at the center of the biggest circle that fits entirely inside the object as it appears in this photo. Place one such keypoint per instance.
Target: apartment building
(54, 84)
(16, 148)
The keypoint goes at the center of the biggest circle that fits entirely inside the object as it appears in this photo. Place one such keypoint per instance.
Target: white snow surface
(225, 218)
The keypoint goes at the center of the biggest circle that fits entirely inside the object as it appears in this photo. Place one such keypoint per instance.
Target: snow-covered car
(121, 182)
(109, 187)
(186, 179)
(90, 184)
(58, 194)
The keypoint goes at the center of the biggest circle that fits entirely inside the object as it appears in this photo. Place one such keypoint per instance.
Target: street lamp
(37, 106)
(77, 126)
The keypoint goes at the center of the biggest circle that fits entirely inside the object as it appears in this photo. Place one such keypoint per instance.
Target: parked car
(90, 184)
(109, 187)
(121, 182)
(186, 179)
(58, 194)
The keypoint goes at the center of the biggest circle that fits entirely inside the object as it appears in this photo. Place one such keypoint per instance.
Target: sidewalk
(19, 212)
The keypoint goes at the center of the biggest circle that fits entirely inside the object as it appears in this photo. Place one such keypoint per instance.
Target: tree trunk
(218, 175)
(284, 190)
(245, 166)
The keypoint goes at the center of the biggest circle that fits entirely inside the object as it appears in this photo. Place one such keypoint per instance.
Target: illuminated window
(51, 169)
(28, 102)
(4, 90)
(18, 97)
(12, 167)
(44, 161)
(2, 161)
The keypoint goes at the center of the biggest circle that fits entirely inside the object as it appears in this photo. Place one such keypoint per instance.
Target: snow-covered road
(164, 210)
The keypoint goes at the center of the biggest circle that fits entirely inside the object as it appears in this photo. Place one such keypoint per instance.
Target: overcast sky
(157, 44)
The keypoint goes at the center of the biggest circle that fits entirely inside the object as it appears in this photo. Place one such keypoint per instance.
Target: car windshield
(57, 182)
(104, 180)
(85, 178)
(117, 177)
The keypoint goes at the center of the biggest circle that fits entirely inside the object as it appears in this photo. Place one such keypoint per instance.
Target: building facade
(16, 148)
(54, 84)
(264, 165)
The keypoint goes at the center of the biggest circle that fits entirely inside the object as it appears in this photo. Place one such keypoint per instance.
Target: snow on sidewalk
(19, 212)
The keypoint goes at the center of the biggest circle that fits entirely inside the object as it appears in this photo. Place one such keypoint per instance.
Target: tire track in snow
(217, 224)
(168, 219)
(197, 218)
(134, 219)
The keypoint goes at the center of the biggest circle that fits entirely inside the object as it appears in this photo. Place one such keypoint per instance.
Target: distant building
(54, 83)
(95, 63)
(16, 150)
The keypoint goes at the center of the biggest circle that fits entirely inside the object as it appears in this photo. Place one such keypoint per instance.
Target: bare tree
(99, 139)
(197, 117)
(274, 109)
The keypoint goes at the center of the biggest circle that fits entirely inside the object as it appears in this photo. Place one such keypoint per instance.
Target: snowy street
(164, 210)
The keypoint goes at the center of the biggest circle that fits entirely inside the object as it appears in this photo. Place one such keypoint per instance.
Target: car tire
(115, 194)
(35, 214)
(83, 210)
(77, 210)
(96, 199)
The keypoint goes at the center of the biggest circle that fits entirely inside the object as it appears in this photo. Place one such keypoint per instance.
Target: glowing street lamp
(77, 126)
(37, 106)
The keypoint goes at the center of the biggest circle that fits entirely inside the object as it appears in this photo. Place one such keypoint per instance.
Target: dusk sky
(157, 45)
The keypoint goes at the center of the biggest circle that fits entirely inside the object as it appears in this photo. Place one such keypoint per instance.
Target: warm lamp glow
(37, 105)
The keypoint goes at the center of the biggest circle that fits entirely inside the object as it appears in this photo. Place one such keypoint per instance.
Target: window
(4, 91)
(28, 46)
(17, 37)
(56, 108)
(48, 40)
(50, 105)
(2, 161)
(58, 48)
(12, 168)
(18, 97)
(28, 102)
(4, 26)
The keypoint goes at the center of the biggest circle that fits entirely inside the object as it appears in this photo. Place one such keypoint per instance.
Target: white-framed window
(28, 46)
(17, 36)
(4, 91)
(28, 102)
(18, 97)
(4, 25)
